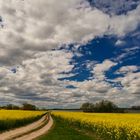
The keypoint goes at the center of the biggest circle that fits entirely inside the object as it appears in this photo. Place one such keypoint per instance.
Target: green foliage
(64, 131)
(135, 107)
(102, 106)
(105, 106)
(27, 106)
(87, 107)
(10, 107)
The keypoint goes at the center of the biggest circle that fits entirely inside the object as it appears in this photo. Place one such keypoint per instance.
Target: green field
(109, 126)
(63, 131)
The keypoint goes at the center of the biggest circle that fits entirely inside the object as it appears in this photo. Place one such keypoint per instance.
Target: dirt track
(10, 135)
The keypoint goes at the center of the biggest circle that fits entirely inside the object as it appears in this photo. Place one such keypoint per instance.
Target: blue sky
(69, 53)
(100, 49)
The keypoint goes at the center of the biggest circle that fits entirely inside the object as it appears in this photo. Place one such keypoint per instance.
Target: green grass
(62, 131)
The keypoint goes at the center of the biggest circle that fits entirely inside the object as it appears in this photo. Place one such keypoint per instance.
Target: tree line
(99, 107)
(25, 106)
(103, 106)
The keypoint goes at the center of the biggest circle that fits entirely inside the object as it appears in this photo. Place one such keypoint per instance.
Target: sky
(62, 54)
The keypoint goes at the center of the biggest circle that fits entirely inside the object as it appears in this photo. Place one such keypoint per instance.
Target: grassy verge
(63, 131)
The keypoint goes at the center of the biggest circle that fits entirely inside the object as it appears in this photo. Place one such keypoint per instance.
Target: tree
(27, 106)
(102, 106)
(87, 107)
(15, 107)
(9, 107)
(135, 107)
(105, 106)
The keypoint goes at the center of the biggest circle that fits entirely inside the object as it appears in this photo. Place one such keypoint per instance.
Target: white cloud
(128, 53)
(128, 69)
(100, 69)
(32, 28)
(123, 24)
(130, 82)
(120, 43)
(27, 28)
(37, 79)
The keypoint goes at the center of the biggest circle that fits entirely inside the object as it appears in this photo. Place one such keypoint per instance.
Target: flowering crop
(108, 125)
(14, 118)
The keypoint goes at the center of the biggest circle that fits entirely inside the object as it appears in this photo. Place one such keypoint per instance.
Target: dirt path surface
(37, 133)
(10, 135)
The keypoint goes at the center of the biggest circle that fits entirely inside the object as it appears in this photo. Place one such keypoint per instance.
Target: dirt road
(37, 133)
(24, 133)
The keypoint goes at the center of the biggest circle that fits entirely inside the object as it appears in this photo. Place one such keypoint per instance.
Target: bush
(87, 107)
(27, 106)
(102, 106)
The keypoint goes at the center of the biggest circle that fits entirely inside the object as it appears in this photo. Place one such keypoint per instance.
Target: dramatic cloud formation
(32, 60)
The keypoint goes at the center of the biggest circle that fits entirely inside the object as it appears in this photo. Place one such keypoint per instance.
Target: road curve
(37, 133)
(21, 133)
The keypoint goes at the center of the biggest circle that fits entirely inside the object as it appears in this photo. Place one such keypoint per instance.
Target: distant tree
(102, 106)
(9, 107)
(27, 106)
(15, 107)
(135, 107)
(87, 107)
(105, 106)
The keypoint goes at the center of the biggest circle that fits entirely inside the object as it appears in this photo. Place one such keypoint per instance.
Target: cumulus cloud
(28, 29)
(100, 69)
(127, 23)
(128, 69)
(33, 31)
(131, 82)
(120, 43)
(36, 79)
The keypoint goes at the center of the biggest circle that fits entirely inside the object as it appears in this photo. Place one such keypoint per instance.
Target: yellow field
(14, 118)
(18, 114)
(110, 126)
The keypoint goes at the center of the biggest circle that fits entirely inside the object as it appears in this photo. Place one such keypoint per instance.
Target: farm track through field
(30, 131)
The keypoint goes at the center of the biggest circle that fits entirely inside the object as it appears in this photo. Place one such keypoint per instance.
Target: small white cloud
(128, 69)
(120, 43)
(130, 82)
(100, 69)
